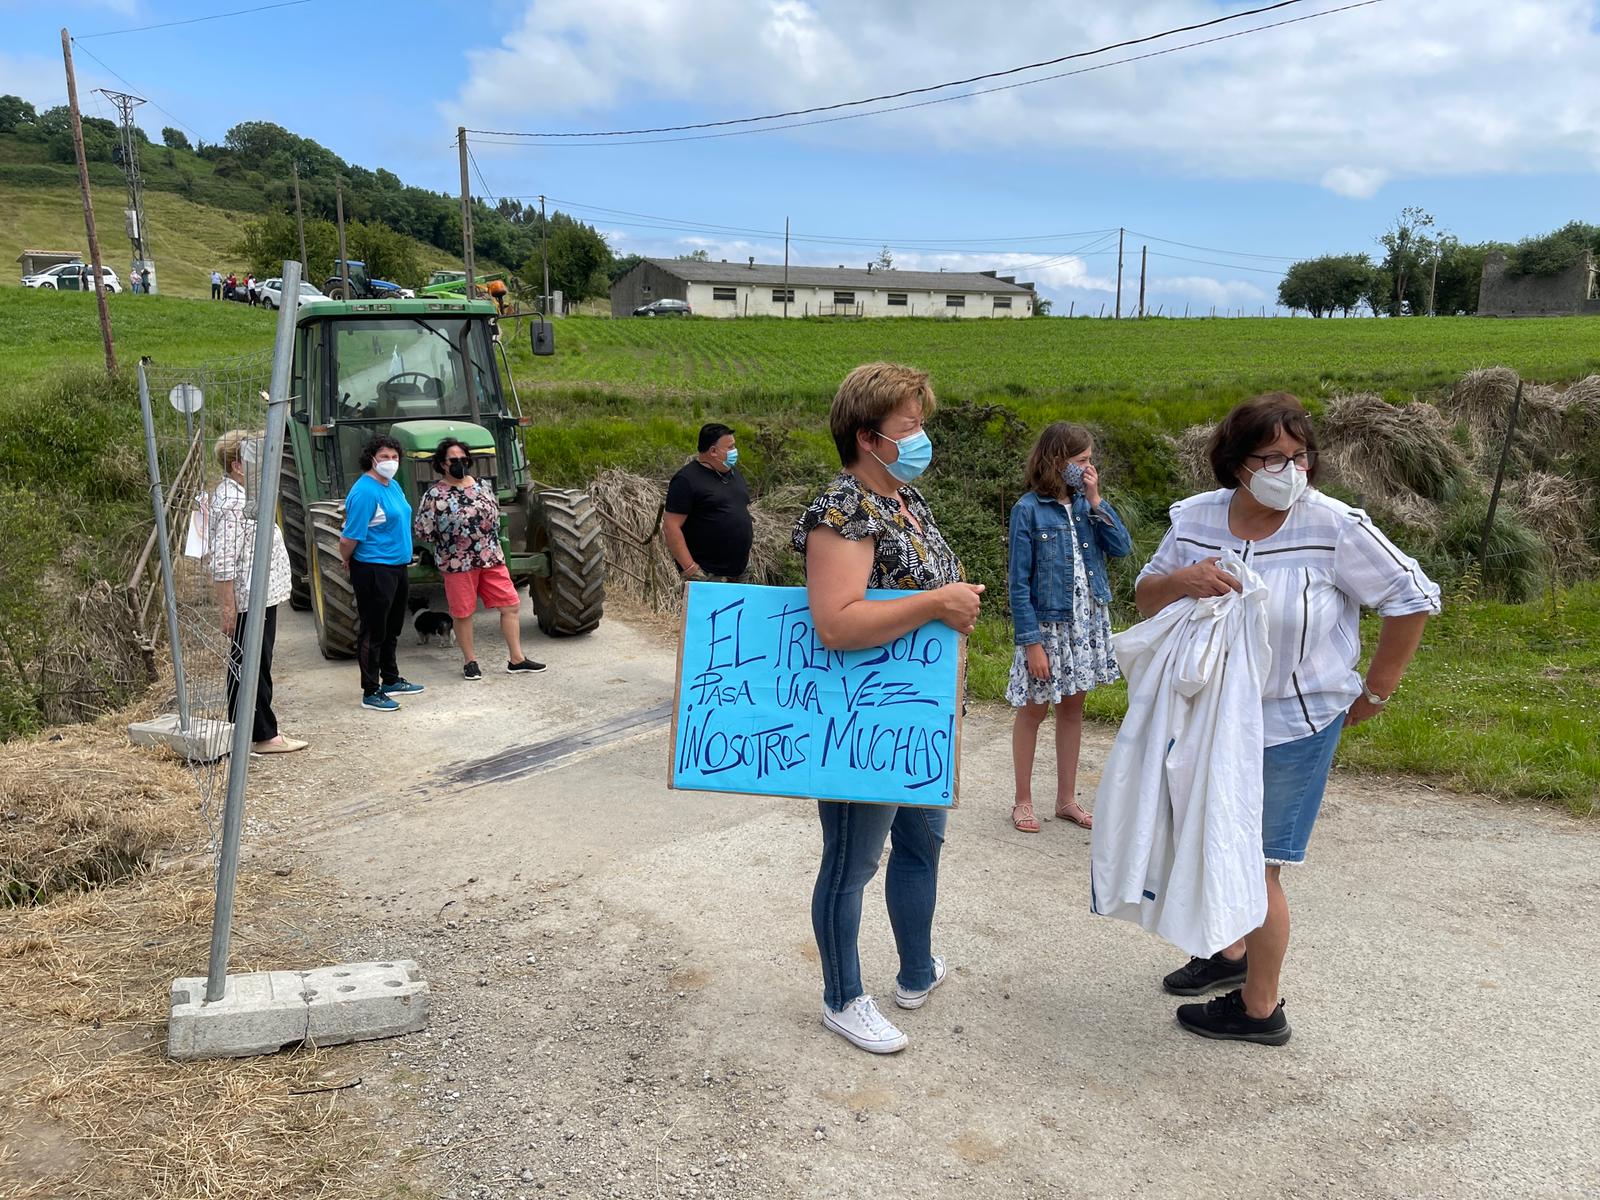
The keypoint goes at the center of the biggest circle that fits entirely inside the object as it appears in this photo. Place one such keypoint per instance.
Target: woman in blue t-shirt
(376, 548)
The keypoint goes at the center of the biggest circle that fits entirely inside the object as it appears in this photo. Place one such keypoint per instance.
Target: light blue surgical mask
(916, 452)
(733, 456)
(1073, 474)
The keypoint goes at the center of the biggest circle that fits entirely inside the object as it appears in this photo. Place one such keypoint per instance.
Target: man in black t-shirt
(707, 523)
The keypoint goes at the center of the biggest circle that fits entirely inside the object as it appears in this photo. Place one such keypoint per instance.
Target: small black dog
(430, 625)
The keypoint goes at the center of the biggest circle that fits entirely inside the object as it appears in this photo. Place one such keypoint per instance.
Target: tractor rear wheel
(333, 596)
(564, 525)
(335, 291)
(292, 516)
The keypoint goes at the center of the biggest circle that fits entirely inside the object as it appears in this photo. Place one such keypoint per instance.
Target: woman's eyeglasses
(1273, 464)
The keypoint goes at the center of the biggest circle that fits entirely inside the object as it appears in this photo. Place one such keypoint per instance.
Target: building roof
(764, 274)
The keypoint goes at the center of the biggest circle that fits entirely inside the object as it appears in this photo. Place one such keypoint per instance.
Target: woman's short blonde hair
(866, 398)
(230, 448)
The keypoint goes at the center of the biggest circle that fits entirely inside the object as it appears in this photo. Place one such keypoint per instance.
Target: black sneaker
(1200, 975)
(527, 664)
(472, 671)
(1224, 1018)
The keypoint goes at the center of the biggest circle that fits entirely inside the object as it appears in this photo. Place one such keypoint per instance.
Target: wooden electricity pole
(299, 218)
(1433, 282)
(88, 208)
(544, 253)
(1143, 254)
(786, 266)
(466, 215)
(1119, 275)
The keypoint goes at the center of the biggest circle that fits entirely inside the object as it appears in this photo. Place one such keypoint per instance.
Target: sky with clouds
(1227, 159)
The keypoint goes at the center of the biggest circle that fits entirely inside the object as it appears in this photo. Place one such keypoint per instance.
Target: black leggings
(381, 592)
(264, 725)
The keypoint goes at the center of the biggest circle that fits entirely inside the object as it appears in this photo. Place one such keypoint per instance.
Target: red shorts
(462, 589)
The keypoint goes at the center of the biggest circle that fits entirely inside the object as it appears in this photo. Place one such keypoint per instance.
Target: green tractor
(422, 370)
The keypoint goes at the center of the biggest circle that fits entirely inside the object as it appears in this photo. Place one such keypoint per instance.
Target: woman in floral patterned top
(458, 519)
(871, 529)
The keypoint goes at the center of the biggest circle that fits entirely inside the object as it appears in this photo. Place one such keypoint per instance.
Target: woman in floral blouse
(871, 529)
(458, 519)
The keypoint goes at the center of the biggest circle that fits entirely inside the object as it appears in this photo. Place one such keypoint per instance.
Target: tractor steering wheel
(392, 388)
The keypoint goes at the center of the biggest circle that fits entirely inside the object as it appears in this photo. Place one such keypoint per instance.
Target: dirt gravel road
(626, 990)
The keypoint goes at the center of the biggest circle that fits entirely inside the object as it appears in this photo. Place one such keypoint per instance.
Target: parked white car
(271, 292)
(48, 278)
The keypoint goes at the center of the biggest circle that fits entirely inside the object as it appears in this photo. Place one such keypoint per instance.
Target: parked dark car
(664, 308)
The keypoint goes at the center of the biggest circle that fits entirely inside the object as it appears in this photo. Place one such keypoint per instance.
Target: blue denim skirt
(1293, 778)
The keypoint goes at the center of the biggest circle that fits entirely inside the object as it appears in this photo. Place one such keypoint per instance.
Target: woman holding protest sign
(871, 529)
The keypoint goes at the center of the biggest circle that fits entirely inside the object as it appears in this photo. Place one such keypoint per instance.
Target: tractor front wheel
(333, 596)
(564, 526)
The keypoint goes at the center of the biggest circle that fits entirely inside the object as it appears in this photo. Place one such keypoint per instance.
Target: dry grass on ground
(92, 1107)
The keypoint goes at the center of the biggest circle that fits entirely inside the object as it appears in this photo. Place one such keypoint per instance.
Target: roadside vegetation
(1413, 427)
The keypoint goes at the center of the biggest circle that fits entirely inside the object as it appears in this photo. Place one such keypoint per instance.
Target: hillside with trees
(251, 171)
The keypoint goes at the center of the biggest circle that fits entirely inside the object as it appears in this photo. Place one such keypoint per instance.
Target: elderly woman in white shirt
(1322, 561)
(232, 551)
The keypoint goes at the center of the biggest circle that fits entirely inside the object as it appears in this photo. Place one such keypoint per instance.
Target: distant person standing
(376, 548)
(216, 285)
(707, 524)
(144, 279)
(250, 289)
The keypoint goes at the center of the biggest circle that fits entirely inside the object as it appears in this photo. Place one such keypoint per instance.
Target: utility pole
(544, 254)
(344, 265)
(1433, 282)
(299, 217)
(134, 214)
(1143, 253)
(1119, 274)
(466, 215)
(88, 208)
(786, 266)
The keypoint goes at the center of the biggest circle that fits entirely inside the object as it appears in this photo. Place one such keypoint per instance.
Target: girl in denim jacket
(1062, 532)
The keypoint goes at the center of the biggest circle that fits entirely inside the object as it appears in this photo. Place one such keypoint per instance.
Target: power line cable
(800, 112)
(1226, 266)
(134, 88)
(1212, 249)
(484, 183)
(238, 12)
(512, 139)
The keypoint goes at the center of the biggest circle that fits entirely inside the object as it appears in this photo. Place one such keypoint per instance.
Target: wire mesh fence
(206, 438)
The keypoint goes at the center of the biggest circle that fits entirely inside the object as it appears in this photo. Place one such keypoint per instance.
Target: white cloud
(1358, 183)
(1422, 88)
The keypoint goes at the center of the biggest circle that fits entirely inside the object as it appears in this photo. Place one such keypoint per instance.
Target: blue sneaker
(378, 702)
(402, 687)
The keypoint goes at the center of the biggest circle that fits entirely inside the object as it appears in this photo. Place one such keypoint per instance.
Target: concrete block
(204, 741)
(267, 1011)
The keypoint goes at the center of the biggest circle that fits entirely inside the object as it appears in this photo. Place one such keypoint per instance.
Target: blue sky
(1289, 142)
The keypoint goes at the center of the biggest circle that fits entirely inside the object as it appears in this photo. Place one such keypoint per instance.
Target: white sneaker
(907, 999)
(862, 1024)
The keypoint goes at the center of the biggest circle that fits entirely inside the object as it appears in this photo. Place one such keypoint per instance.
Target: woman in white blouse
(1323, 561)
(232, 550)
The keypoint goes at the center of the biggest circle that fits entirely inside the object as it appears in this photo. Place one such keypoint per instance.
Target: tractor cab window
(395, 369)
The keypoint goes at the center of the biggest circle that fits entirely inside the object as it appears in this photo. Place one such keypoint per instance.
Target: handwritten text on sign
(764, 707)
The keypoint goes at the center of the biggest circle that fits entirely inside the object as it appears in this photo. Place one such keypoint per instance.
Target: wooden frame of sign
(955, 729)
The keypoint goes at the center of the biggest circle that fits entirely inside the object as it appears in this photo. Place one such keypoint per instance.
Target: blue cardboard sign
(763, 707)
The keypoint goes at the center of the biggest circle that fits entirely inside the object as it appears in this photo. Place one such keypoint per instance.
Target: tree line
(1424, 270)
(384, 216)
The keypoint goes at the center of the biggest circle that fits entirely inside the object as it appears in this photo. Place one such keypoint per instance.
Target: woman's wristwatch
(1373, 698)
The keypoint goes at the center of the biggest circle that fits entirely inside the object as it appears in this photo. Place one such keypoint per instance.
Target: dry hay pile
(638, 563)
(1400, 461)
(92, 1107)
(1189, 448)
(1558, 510)
(1482, 401)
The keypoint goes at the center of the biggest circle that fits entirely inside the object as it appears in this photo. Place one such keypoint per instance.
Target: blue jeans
(852, 843)
(1293, 778)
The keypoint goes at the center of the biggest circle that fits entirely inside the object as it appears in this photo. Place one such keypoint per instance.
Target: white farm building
(752, 289)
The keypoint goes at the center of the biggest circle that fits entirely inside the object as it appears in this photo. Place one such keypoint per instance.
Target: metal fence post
(255, 619)
(159, 504)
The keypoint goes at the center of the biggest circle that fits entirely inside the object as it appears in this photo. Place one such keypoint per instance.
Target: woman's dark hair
(442, 450)
(1058, 443)
(711, 434)
(383, 441)
(1255, 423)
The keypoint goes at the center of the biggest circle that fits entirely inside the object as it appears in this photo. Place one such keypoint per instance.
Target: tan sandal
(1084, 818)
(1024, 824)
